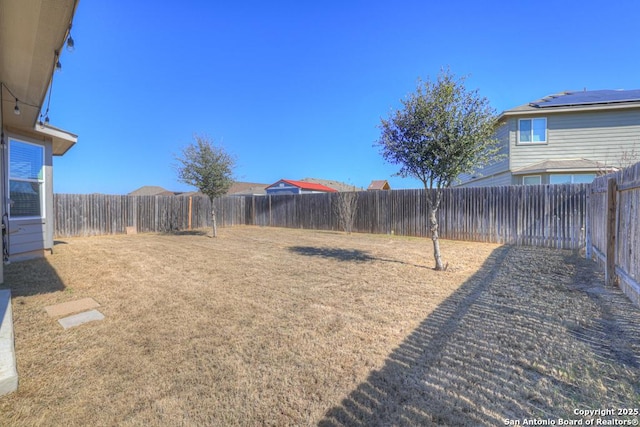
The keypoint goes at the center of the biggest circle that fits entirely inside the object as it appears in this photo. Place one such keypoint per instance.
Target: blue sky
(297, 89)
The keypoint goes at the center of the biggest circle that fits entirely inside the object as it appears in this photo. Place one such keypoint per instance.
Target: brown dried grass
(289, 327)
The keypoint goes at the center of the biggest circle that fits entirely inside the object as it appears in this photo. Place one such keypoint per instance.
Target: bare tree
(626, 158)
(345, 206)
(208, 168)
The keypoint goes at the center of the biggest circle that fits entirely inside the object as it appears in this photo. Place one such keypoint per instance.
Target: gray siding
(603, 136)
(503, 178)
(494, 171)
(26, 236)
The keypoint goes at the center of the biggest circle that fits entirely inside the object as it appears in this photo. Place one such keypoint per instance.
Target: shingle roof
(151, 190)
(337, 185)
(569, 165)
(248, 188)
(379, 185)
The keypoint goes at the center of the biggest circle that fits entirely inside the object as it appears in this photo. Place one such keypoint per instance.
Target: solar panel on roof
(589, 97)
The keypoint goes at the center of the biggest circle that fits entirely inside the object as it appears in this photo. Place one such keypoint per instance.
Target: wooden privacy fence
(614, 228)
(96, 214)
(545, 215)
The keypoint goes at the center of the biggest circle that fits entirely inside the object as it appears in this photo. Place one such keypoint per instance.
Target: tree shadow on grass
(31, 277)
(344, 255)
(499, 349)
(339, 254)
(187, 233)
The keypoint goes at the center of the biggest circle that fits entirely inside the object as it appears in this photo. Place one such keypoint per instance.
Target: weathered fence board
(97, 214)
(614, 230)
(546, 215)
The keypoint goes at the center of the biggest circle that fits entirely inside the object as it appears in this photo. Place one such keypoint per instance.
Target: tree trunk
(433, 220)
(213, 220)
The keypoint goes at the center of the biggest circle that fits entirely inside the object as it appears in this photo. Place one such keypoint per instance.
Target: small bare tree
(625, 159)
(629, 158)
(208, 168)
(345, 205)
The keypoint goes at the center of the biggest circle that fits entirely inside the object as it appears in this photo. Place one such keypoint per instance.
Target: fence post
(610, 265)
(190, 206)
(587, 225)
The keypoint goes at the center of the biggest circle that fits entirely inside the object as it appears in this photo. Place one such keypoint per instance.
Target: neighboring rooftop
(247, 189)
(337, 185)
(587, 97)
(381, 184)
(151, 190)
(584, 99)
(304, 185)
(238, 188)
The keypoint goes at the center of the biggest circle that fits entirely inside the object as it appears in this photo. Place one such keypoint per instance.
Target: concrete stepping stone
(80, 318)
(65, 308)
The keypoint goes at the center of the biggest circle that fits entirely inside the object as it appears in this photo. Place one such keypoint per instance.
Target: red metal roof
(307, 186)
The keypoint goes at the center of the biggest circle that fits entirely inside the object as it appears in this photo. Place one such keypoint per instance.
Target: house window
(532, 131)
(532, 180)
(572, 178)
(26, 179)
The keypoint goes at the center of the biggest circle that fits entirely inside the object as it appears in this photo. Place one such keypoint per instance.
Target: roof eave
(567, 109)
(62, 140)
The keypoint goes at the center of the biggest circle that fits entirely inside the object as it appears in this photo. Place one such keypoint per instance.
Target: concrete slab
(80, 318)
(8, 371)
(65, 308)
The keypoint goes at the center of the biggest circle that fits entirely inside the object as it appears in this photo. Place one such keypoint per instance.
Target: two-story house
(569, 137)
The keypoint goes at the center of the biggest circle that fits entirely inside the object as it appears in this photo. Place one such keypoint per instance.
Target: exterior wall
(602, 136)
(286, 189)
(33, 235)
(503, 178)
(3, 171)
(494, 174)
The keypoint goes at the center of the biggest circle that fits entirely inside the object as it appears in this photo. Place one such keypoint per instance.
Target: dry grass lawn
(290, 327)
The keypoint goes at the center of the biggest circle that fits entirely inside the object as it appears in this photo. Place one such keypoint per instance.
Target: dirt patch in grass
(290, 327)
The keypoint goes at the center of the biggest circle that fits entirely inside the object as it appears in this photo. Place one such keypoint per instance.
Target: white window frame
(532, 142)
(532, 176)
(572, 177)
(39, 181)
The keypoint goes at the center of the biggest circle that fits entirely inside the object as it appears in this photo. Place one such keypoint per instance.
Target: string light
(71, 45)
(16, 108)
(58, 63)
